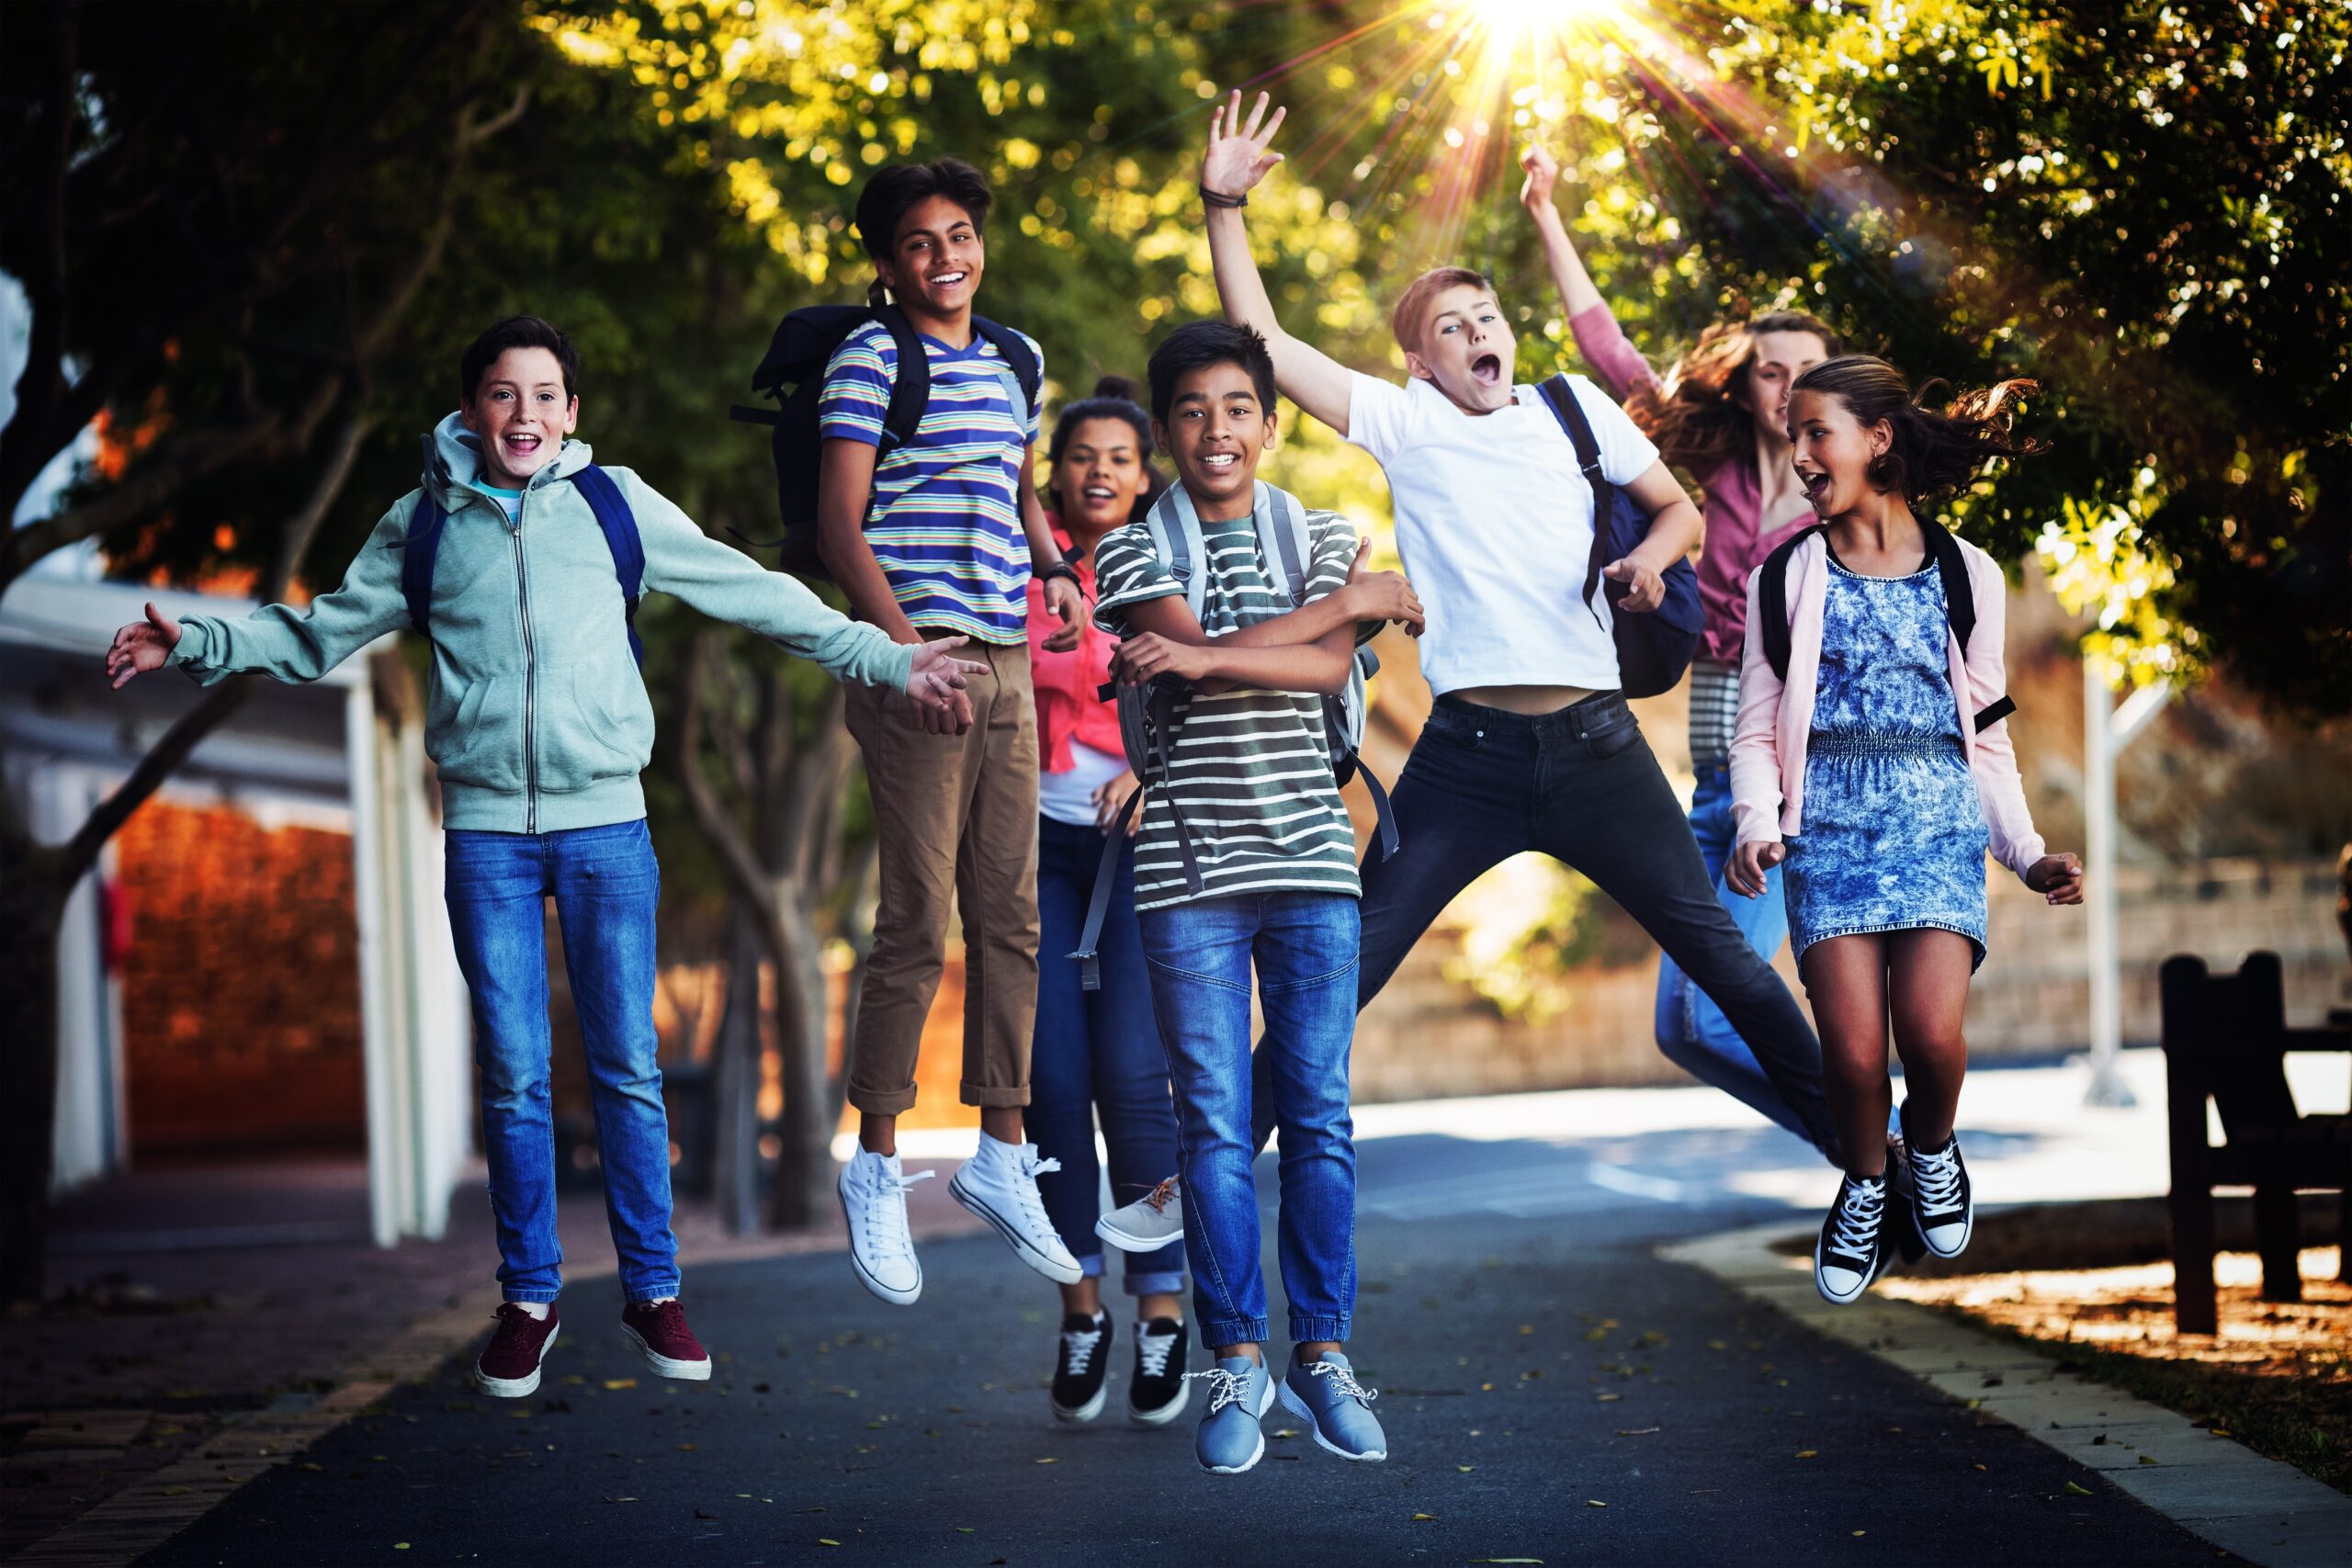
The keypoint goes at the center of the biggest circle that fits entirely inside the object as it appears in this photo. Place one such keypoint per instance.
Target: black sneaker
(1078, 1374)
(1941, 1207)
(1849, 1255)
(1158, 1391)
(1908, 1242)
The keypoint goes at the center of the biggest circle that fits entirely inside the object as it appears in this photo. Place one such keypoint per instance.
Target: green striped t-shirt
(1252, 770)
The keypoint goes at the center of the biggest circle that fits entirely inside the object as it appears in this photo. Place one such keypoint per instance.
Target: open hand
(936, 685)
(1147, 654)
(1744, 871)
(1063, 599)
(1111, 799)
(1645, 589)
(1382, 595)
(142, 646)
(1543, 173)
(2056, 877)
(1237, 158)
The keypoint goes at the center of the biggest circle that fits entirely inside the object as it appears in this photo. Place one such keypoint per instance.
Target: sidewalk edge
(2217, 1489)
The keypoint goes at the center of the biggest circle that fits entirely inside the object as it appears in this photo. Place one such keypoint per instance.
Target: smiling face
(1097, 479)
(1775, 360)
(1833, 452)
(1217, 430)
(1466, 349)
(935, 263)
(521, 411)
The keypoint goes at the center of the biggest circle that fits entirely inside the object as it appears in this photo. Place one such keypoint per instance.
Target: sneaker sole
(1870, 1276)
(515, 1388)
(1297, 1406)
(1060, 1274)
(1127, 1241)
(681, 1372)
(1086, 1412)
(1165, 1413)
(864, 1278)
(1968, 1232)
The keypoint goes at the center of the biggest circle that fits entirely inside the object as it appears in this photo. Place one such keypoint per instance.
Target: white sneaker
(1000, 1184)
(874, 1201)
(1148, 1224)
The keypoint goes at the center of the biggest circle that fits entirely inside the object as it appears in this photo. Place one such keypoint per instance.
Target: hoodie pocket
(478, 738)
(595, 723)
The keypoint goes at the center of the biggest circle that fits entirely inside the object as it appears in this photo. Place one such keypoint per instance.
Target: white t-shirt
(1069, 796)
(1494, 519)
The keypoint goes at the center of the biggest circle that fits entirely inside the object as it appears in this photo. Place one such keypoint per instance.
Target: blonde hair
(1406, 323)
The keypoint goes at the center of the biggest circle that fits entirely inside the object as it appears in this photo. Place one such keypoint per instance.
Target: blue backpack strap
(622, 539)
(423, 546)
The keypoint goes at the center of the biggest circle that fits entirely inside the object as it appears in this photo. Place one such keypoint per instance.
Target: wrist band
(1218, 199)
(1059, 568)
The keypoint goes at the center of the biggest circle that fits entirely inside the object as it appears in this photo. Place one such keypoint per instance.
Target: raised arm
(1236, 159)
(1614, 362)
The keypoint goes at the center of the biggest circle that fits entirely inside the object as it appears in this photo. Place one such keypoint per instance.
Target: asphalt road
(1551, 1390)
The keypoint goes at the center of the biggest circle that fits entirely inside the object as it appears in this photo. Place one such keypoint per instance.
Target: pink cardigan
(1768, 744)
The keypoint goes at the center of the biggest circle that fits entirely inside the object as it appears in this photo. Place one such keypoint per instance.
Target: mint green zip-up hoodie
(539, 721)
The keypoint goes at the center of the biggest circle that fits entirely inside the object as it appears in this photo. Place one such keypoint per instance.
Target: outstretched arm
(1236, 159)
(1614, 362)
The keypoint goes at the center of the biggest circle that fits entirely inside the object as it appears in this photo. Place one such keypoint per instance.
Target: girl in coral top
(1879, 750)
(1097, 1053)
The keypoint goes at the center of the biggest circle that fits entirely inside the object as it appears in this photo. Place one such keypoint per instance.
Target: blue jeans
(1097, 1052)
(1692, 1030)
(606, 884)
(1304, 946)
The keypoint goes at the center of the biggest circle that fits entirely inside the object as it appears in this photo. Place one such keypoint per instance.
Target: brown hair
(1932, 453)
(1406, 321)
(1700, 417)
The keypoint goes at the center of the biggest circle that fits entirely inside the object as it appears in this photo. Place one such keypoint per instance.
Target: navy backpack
(613, 515)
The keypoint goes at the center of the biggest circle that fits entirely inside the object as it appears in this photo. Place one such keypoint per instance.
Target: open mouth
(1219, 463)
(1100, 495)
(522, 446)
(1816, 488)
(1487, 370)
(949, 279)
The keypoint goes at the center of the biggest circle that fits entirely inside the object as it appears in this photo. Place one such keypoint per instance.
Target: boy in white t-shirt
(1530, 744)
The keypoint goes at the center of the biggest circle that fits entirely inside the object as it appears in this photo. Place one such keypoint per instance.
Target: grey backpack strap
(1175, 529)
(1098, 901)
(1282, 541)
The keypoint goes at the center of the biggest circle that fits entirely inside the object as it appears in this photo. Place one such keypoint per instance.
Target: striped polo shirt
(1252, 770)
(946, 517)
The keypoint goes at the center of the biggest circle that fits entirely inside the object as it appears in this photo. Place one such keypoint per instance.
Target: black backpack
(1147, 712)
(1960, 602)
(794, 375)
(1652, 649)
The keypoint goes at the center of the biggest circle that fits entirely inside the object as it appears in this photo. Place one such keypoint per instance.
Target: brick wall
(240, 988)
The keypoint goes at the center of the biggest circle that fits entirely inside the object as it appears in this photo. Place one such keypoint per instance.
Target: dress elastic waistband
(1850, 742)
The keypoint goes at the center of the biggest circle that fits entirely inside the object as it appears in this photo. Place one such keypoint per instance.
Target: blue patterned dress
(1893, 836)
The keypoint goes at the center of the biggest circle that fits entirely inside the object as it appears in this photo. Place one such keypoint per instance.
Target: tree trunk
(32, 906)
(804, 1171)
(735, 1085)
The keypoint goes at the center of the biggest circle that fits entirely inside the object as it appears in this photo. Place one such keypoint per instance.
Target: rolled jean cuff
(1090, 1265)
(991, 1096)
(1307, 1330)
(535, 1294)
(1158, 1282)
(636, 1294)
(1216, 1331)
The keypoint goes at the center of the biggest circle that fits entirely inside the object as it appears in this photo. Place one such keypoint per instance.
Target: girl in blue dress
(1873, 755)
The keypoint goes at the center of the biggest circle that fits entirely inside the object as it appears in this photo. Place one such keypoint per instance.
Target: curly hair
(1115, 397)
(1700, 417)
(1933, 452)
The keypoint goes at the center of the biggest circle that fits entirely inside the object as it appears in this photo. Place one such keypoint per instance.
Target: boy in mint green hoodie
(539, 726)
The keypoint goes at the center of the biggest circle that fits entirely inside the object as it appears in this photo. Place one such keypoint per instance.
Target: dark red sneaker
(659, 1329)
(509, 1367)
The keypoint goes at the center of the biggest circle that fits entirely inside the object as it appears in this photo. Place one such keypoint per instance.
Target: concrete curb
(2217, 1489)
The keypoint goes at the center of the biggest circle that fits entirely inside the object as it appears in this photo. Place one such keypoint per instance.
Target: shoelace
(669, 1319)
(1856, 1232)
(1343, 1380)
(1936, 1177)
(1026, 1194)
(1225, 1388)
(1152, 1352)
(885, 1223)
(1163, 1195)
(1077, 1348)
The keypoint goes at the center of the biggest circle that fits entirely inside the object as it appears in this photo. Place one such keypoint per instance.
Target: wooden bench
(2225, 1039)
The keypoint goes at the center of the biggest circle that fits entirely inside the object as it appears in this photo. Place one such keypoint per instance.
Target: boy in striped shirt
(938, 537)
(1251, 780)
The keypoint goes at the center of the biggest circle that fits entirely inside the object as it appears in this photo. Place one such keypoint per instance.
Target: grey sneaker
(1326, 1393)
(1148, 1224)
(1231, 1440)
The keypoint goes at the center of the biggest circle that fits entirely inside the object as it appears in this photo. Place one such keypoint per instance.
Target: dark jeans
(1097, 1053)
(1580, 785)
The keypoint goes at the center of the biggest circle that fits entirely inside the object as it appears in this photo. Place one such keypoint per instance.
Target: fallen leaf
(2149, 1458)
(1976, 1467)
(827, 1541)
(1486, 1388)
(1607, 1398)
(1527, 1328)
(176, 1491)
(1418, 1518)
(686, 1447)
(2078, 1490)
(1594, 1503)
(315, 1468)
(1638, 1431)
(1808, 1453)
(963, 1529)
(1050, 1459)
(400, 1546)
(614, 1386)
(1466, 1469)
(2221, 1431)
(620, 1499)
(1861, 1532)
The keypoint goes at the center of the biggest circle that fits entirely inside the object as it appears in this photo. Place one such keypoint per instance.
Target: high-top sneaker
(1942, 1205)
(1079, 1374)
(874, 1202)
(1000, 1184)
(1908, 1243)
(1157, 1393)
(1848, 1255)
